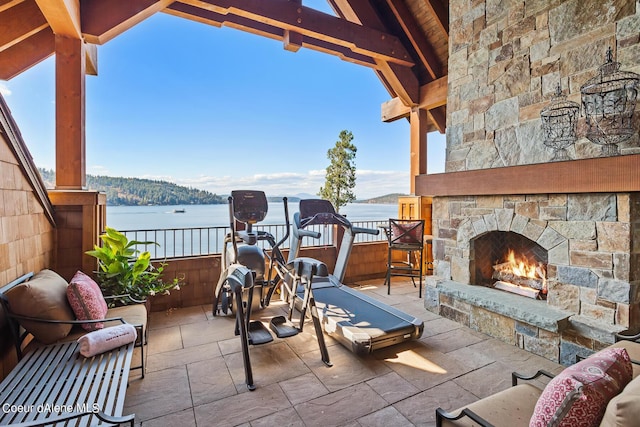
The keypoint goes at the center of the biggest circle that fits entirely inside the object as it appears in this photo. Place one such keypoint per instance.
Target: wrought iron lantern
(609, 100)
(559, 124)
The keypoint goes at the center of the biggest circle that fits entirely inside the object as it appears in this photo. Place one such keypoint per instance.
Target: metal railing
(199, 241)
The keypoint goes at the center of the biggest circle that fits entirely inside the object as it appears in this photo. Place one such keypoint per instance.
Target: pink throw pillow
(86, 300)
(578, 396)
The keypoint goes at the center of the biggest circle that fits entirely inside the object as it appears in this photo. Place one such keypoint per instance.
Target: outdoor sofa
(600, 390)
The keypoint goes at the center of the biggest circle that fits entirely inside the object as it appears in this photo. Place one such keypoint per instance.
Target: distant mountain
(136, 191)
(386, 199)
(295, 198)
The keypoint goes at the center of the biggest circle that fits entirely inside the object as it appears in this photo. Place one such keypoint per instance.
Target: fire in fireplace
(511, 262)
(521, 276)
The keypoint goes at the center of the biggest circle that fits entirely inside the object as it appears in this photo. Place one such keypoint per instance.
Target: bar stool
(406, 236)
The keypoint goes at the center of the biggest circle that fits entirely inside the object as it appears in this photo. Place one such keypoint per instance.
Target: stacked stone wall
(506, 58)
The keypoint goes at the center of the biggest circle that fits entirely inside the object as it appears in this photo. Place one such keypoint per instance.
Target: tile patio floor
(195, 375)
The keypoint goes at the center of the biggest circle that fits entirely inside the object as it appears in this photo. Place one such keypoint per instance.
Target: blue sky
(220, 109)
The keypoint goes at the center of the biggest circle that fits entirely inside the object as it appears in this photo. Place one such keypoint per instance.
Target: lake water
(160, 217)
(187, 233)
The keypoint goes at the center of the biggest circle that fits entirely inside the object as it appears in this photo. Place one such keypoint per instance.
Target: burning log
(515, 289)
(503, 273)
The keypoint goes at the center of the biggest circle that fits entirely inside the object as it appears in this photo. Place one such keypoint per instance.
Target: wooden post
(70, 114)
(418, 136)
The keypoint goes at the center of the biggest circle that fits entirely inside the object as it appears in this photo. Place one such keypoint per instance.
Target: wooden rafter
(7, 4)
(20, 22)
(432, 96)
(439, 118)
(315, 24)
(244, 24)
(416, 36)
(441, 13)
(103, 20)
(63, 16)
(24, 55)
(402, 83)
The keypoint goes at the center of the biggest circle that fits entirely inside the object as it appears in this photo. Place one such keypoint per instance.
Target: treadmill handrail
(325, 218)
(358, 230)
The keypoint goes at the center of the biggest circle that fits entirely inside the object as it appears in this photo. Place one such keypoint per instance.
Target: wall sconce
(609, 100)
(559, 123)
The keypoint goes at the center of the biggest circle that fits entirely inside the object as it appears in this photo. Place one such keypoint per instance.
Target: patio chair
(405, 236)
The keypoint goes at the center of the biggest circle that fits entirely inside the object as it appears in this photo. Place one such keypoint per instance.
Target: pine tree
(340, 178)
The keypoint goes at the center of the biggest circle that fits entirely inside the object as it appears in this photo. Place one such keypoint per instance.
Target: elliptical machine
(245, 284)
(248, 208)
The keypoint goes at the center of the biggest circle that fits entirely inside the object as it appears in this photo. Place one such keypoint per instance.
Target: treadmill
(359, 322)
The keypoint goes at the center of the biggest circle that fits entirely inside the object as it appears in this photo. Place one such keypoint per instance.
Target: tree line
(137, 192)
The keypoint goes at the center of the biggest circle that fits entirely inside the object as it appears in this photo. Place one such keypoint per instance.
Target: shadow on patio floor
(195, 374)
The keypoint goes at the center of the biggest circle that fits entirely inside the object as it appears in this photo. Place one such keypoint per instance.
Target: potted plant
(125, 270)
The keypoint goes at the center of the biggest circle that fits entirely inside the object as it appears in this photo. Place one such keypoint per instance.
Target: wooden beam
(103, 20)
(601, 175)
(432, 95)
(398, 82)
(417, 38)
(244, 24)
(70, 114)
(20, 22)
(63, 16)
(439, 118)
(7, 4)
(26, 54)
(292, 40)
(418, 136)
(313, 23)
(91, 56)
(440, 11)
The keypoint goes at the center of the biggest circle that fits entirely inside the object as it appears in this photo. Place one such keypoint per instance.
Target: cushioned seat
(135, 314)
(624, 409)
(508, 408)
(44, 309)
(597, 391)
(633, 348)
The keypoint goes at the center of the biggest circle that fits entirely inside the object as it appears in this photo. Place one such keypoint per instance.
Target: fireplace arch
(499, 256)
(546, 237)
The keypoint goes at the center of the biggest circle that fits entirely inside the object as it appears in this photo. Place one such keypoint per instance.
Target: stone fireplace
(577, 220)
(590, 263)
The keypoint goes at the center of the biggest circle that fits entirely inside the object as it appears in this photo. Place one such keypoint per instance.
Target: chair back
(406, 233)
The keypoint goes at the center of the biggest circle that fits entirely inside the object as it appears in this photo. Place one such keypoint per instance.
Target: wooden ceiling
(404, 41)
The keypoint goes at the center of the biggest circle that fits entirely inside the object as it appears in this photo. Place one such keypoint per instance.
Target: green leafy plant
(125, 270)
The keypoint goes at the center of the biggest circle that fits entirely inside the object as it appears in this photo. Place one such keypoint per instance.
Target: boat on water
(181, 210)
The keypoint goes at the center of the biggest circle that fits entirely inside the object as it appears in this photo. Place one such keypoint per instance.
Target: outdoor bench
(46, 318)
(516, 405)
(55, 383)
